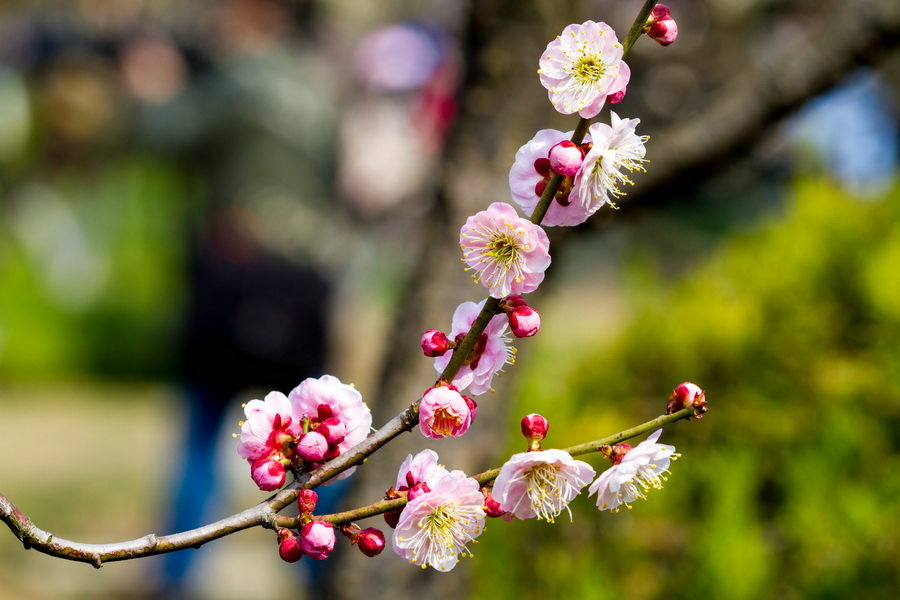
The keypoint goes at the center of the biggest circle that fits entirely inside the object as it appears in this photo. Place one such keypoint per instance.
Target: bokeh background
(200, 202)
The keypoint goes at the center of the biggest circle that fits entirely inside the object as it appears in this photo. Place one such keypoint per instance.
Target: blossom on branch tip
(317, 539)
(509, 253)
(531, 172)
(534, 427)
(640, 469)
(436, 528)
(491, 352)
(444, 412)
(583, 66)
(614, 147)
(540, 484)
(685, 395)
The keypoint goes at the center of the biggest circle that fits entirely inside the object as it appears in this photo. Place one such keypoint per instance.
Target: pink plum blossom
(317, 539)
(637, 472)
(530, 174)
(540, 484)
(583, 66)
(421, 468)
(267, 424)
(435, 528)
(614, 146)
(326, 398)
(509, 253)
(444, 412)
(491, 351)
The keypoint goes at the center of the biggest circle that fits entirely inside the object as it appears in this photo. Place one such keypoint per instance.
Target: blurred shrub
(788, 487)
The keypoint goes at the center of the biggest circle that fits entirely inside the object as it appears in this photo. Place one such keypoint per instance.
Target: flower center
(445, 422)
(588, 69)
(544, 491)
(503, 248)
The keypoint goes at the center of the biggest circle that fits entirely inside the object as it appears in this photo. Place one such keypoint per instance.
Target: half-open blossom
(661, 27)
(327, 398)
(491, 352)
(269, 424)
(639, 470)
(583, 66)
(530, 174)
(615, 146)
(421, 468)
(444, 412)
(540, 484)
(435, 528)
(509, 253)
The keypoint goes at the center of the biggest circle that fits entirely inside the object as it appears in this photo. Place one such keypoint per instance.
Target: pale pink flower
(583, 66)
(326, 398)
(267, 422)
(540, 484)
(317, 539)
(614, 146)
(491, 351)
(421, 468)
(509, 253)
(444, 412)
(530, 174)
(638, 471)
(435, 528)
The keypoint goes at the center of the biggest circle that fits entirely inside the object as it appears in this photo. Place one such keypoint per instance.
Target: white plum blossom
(638, 471)
(540, 484)
(509, 253)
(435, 528)
(615, 146)
(583, 66)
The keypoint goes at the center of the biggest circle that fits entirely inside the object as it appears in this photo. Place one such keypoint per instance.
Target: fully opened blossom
(435, 528)
(615, 146)
(638, 471)
(326, 398)
(268, 424)
(583, 66)
(540, 484)
(509, 253)
(531, 172)
(444, 412)
(491, 352)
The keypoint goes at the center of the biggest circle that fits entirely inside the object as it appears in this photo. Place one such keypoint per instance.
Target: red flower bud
(317, 539)
(435, 343)
(534, 427)
(566, 158)
(524, 321)
(661, 27)
(307, 500)
(333, 430)
(289, 546)
(312, 446)
(685, 395)
(370, 541)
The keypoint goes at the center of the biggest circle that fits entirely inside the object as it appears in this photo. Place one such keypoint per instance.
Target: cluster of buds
(316, 538)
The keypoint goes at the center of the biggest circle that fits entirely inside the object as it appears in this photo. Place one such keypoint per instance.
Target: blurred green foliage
(91, 275)
(788, 487)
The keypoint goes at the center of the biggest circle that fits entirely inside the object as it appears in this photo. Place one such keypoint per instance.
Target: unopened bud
(307, 500)
(435, 343)
(491, 506)
(534, 428)
(617, 97)
(661, 27)
(687, 395)
(289, 548)
(566, 158)
(317, 539)
(524, 321)
(333, 430)
(392, 517)
(312, 446)
(370, 541)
